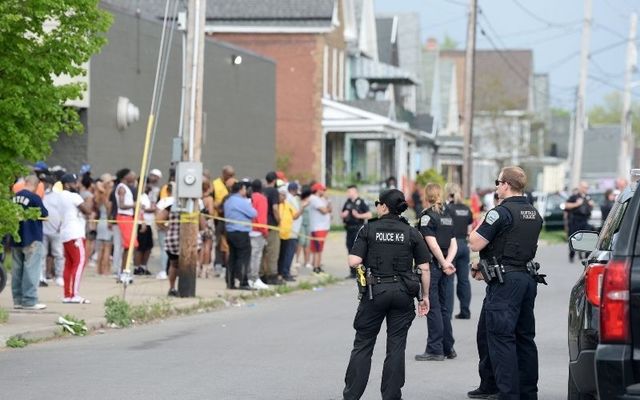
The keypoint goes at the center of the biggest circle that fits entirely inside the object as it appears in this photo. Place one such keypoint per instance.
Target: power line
(457, 3)
(513, 68)
(540, 19)
(607, 29)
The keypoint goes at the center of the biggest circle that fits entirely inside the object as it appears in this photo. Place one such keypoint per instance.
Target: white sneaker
(60, 282)
(35, 307)
(308, 266)
(259, 285)
(162, 275)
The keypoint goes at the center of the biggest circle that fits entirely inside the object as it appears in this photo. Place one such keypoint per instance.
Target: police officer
(579, 206)
(355, 212)
(462, 220)
(508, 237)
(387, 246)
(436, 225)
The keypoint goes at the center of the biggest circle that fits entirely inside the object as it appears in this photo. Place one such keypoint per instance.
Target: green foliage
(39, 40)
(610, 112)
(117, 312)
(430, 176)
(73, 325)
(448, 43)
(17, 342)
(4, 315)
(151, 311)
(553, 236)
(560, 112)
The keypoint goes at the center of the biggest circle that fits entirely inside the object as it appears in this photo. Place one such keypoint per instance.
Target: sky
(551, 28)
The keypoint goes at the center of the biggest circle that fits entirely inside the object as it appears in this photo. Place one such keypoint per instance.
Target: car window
(611, 226)
(554, 201)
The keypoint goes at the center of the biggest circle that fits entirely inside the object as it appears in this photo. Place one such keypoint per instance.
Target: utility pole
(626, 142)
(581, 121)
(469, 78)
(192, 140)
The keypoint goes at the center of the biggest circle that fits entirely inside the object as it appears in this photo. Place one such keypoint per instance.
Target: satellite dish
(362, 88)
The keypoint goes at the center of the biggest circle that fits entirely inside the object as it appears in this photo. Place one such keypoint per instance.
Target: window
(334, 73)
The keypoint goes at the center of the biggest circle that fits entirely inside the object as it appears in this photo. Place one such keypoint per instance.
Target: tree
(610, 112)
(448, 43)
(40, 39)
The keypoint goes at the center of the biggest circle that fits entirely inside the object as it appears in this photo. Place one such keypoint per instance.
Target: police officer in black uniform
(387, 247)
(355, 212)
(436, 225)
(462, 220)
(507, 240)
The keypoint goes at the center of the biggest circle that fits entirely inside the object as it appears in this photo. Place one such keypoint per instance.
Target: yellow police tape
(194, 218)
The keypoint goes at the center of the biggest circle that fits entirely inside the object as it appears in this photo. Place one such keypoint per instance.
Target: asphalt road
(292, 347)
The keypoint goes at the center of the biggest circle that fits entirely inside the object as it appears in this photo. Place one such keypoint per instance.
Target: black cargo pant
(390, 301)
(511, 329)
(485, 369)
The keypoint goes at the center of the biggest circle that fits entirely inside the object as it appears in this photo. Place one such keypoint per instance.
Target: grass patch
(553, 237)
(17, 342)
(4, 315)
(117, 312)
(151, 311)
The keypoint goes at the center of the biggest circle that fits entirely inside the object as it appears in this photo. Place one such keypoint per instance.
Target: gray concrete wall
(238, 101)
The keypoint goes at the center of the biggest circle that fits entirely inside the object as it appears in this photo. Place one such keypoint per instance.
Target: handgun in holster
(369, 280)
(532, 268)
(490, 272)
(361, 281)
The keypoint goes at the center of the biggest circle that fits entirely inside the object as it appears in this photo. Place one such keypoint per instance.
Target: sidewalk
(34, 325)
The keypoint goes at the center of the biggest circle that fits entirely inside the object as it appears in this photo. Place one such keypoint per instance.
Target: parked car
(551, 207)
(595, 220)
(591, 321)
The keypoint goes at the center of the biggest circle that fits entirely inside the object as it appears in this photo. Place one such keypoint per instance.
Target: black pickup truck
(617, 357)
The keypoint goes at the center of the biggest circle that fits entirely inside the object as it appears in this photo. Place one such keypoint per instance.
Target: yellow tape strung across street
(194, 218)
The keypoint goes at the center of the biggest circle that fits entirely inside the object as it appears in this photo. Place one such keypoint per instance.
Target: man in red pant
(72, 234)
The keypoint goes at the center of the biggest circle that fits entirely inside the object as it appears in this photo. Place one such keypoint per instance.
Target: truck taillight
(593, 283)
(614, 305)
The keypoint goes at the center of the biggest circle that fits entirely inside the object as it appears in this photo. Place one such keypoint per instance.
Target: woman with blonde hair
(462, 222)
(104, 235)
(436, 225)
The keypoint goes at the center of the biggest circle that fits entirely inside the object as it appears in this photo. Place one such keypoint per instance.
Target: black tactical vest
(389, 247)
(461, 215)
(516, 245)
(444, 224)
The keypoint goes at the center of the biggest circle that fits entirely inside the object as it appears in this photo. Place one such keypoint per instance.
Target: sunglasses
(498, 182)
(378, 203)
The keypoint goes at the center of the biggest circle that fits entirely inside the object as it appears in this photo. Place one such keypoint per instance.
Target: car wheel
(574, 394)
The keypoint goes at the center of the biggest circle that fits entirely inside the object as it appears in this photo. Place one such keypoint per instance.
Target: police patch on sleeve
(492, 216)
(424, 220)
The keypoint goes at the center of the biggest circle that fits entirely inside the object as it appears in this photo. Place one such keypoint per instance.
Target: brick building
(306, 39)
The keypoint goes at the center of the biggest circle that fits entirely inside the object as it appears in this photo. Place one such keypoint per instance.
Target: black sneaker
(138, 271)
(463, 316)
(173, 293)
(43, 284)
(429, 357)
(481, 394)
(451, 355)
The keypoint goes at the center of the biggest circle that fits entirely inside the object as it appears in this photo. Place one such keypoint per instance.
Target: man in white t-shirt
(72, 233)
(320, 223)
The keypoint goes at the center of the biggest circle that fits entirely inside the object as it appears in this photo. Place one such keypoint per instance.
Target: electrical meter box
(189, 180)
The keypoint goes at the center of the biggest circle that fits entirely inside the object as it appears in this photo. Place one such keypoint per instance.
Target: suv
(618, 353)
(584, 303)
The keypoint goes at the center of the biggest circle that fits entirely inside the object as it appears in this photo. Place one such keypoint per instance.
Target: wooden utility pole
(469, 78)
(626, 142)
(192, 140)
(581, 121)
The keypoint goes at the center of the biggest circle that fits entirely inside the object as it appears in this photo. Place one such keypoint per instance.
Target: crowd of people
(254, 233)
